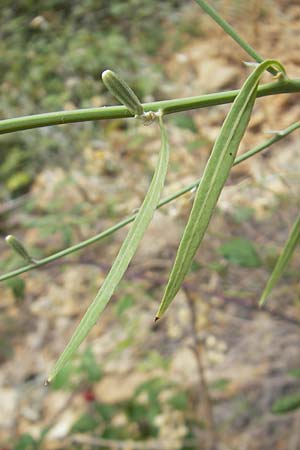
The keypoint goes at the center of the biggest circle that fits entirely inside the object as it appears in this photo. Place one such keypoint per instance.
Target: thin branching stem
(117, 112)
(74, 248)
(232, 33)
(197, 349)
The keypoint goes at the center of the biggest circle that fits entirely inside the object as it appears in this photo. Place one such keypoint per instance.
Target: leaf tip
(156, 319)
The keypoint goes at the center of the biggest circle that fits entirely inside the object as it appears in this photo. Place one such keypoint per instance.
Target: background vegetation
(52, 55)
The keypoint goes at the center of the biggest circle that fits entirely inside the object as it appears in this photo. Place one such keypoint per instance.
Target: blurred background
(216, 372)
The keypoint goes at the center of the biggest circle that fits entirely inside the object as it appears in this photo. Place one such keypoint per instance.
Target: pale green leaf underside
(283, 260)
(123, 258)
(214, 177)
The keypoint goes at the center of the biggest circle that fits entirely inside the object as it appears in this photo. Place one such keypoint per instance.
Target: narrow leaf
(123, 258)
(214, 177)
(282, 261)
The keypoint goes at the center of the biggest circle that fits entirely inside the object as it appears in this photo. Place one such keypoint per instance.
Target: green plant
(222, 159)
(214, 177)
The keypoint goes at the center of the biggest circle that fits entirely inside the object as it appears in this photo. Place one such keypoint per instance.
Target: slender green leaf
(214, 177)
(123, 258)
(282, 261)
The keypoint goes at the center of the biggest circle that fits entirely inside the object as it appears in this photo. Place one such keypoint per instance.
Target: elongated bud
(19, 248)
(122, 92)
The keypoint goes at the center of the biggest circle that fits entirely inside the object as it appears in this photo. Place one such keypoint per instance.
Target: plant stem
(67, 251)
(117, 112)
(197, 349)
(232, 33)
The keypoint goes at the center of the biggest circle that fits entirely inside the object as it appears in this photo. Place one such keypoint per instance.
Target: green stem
(232, 33)
(41, 262)
(117, 112)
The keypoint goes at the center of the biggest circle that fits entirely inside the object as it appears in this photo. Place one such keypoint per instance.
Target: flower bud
(19, 249)
(122, 92)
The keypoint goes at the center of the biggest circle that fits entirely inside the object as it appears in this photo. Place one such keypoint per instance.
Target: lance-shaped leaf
(123, 258)
(214, 177)
(283, 260)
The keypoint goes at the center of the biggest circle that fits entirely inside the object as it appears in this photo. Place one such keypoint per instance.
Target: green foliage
(185, 121)
(220, 384)
(18, 182)
(90, 367)
(294, 372)
(106, 411)
(86, 423)
(286, 404)
(154, 360)
(147, 402)
(289, 402)
(139, 413)
(17, 285)
(25, 442)
(240, 251)
(179, 401)
(15, 172)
